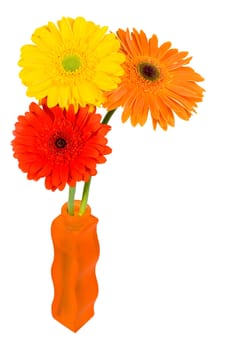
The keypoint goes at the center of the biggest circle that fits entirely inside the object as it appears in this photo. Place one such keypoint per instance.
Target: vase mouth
(77, 203)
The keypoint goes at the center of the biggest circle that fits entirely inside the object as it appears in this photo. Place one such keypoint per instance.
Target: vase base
(75, 325)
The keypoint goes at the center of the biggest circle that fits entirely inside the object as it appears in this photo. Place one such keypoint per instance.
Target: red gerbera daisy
(62, 146)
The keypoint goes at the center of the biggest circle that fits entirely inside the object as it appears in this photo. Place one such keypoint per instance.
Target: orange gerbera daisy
(155, 80)
(62, 146)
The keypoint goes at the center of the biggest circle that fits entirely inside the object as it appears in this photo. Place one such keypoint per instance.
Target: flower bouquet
(72, 68)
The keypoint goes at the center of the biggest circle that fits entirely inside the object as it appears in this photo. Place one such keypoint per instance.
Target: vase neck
(75, 220)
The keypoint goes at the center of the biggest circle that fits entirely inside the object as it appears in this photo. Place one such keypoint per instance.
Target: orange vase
(76, 251)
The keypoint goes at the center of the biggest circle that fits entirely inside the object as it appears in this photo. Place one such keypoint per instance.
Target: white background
(164, 199)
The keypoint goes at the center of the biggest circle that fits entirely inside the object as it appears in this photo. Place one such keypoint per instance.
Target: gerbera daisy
(62, 146)
(156, 80)
(71, 63)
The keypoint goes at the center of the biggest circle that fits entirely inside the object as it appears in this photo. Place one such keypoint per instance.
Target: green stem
(70, 205)
(84, 200)
(108, 116)
(87, 184)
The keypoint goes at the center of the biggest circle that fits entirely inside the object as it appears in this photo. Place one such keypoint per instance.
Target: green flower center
(71, 63)
(148, 71)
(60, 142)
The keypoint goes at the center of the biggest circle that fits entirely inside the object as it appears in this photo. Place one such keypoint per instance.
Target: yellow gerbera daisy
(156, 80)
(74, 62)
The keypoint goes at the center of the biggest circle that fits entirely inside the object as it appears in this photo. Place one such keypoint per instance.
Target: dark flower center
(60, 142)
(148, 71)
